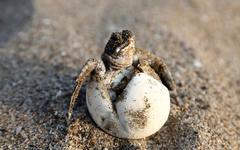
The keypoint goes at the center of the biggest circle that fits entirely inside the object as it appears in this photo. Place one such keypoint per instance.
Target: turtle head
(119, 50)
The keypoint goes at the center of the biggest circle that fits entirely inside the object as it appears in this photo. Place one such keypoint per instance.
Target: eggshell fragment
(140, 111)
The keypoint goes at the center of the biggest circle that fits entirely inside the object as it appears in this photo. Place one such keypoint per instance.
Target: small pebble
(18, 130)
(197, 63)
(59, 93)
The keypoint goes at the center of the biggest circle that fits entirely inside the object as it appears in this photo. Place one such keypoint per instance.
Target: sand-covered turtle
(127, 93)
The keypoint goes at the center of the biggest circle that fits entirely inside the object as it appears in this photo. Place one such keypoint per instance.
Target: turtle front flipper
(158, 65)
(88, 68)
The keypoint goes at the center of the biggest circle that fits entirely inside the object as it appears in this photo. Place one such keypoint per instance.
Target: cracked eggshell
(140, 111)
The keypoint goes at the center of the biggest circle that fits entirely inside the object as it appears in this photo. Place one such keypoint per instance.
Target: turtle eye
(121, 48)
(118, 49)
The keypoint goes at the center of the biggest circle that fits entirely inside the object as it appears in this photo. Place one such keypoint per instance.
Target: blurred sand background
(44, 43)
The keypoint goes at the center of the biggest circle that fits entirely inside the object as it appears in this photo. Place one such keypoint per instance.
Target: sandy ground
(43, 45)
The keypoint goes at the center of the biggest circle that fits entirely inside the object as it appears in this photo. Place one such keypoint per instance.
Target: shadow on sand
(14, 14)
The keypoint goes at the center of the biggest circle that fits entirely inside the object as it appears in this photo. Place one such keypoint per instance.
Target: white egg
(141, 111)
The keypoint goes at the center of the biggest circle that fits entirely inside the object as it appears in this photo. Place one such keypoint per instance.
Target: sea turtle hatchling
(126, 94)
